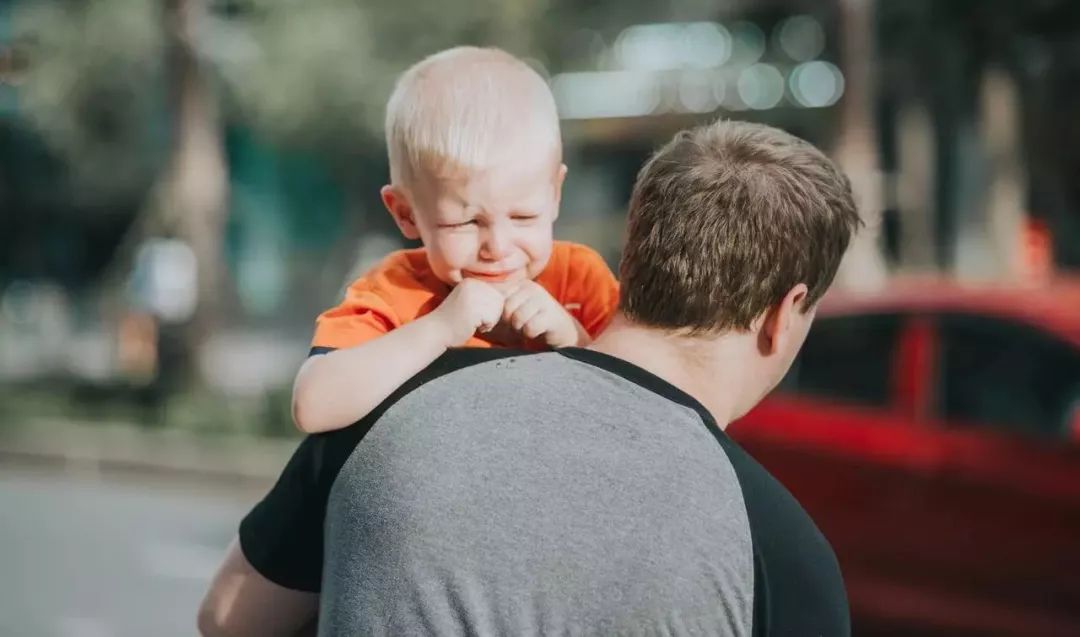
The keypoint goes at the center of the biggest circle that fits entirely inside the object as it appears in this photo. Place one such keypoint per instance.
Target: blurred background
(185, 184)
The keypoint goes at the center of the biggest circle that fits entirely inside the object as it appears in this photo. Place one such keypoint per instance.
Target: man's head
(475, 164)
(736, 227)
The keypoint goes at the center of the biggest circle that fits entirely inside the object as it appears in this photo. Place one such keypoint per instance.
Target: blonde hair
(459, 107)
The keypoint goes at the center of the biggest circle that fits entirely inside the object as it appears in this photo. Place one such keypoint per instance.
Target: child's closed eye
(460, 224)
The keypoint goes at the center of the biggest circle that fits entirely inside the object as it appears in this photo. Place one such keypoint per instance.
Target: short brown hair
(724, 220)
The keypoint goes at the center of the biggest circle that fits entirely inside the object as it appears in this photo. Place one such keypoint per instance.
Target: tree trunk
(856, 149)
(195, 184)
(915, 171)
(1000, 194)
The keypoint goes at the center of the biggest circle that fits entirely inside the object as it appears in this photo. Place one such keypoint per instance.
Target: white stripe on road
(82, 627)
(180, 561)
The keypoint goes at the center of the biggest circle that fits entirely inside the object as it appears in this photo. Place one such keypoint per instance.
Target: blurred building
(954, 119)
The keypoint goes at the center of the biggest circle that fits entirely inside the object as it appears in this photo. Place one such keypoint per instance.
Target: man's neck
(707, 368)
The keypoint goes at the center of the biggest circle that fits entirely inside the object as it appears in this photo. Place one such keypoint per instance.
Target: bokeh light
(801, 38)
(761, 86)
(816, 84)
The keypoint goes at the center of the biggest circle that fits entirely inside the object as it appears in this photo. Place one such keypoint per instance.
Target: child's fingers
(512, 304)
(516, 300)
(535, 326)
(491, 314)
(525, 312)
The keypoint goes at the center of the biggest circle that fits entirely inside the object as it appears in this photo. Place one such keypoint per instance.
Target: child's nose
(496, 244)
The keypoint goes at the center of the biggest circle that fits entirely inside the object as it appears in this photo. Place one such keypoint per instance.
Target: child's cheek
(460, 250)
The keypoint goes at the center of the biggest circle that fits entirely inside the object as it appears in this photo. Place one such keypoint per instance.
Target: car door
(1005, 513)
(842, 433)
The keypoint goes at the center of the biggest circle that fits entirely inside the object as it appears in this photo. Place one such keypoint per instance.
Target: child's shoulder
(580, 279)
(575, 254)
(399, 268)
(409, 260)
(574, 265)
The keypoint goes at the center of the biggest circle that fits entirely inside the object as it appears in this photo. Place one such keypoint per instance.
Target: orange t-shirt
(402, 288)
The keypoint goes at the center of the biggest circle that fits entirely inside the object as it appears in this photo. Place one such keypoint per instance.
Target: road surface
(88, 555)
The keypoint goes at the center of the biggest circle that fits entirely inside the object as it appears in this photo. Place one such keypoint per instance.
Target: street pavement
(86, 554)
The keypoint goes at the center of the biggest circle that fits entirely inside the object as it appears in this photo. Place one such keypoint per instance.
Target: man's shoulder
(453, 360)
(772, 502)
(458, 358)
(342, 441)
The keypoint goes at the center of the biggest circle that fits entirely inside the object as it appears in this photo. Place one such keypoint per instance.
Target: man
(584, 491)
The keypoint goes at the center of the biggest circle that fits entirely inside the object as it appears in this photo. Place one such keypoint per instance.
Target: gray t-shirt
(564, 493)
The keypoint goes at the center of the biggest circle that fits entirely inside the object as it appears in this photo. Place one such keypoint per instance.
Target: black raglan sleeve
(798, 586)
(282, 536)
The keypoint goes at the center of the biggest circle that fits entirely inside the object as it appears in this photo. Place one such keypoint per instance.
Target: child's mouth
(491, 277)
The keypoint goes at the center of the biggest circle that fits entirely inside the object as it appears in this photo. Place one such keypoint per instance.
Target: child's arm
(335, 390)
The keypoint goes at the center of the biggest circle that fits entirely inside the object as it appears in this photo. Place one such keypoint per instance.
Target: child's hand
(531, 310)
(470, 307)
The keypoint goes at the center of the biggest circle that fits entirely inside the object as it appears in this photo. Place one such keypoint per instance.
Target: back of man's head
(724, 221)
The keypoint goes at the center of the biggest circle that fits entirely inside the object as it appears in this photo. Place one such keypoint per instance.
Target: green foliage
(93, 88)
(315, 73)
(322, 70)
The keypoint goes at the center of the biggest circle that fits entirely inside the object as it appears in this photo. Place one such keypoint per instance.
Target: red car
(933, 432)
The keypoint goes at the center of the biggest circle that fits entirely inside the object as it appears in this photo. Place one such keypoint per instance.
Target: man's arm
(242, 602)
(269, 580)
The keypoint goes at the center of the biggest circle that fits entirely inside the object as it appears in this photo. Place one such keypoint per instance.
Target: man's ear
(400, 208)
(774, 326)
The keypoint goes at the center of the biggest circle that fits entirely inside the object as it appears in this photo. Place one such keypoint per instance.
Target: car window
(1007, 376)
(847, 358)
